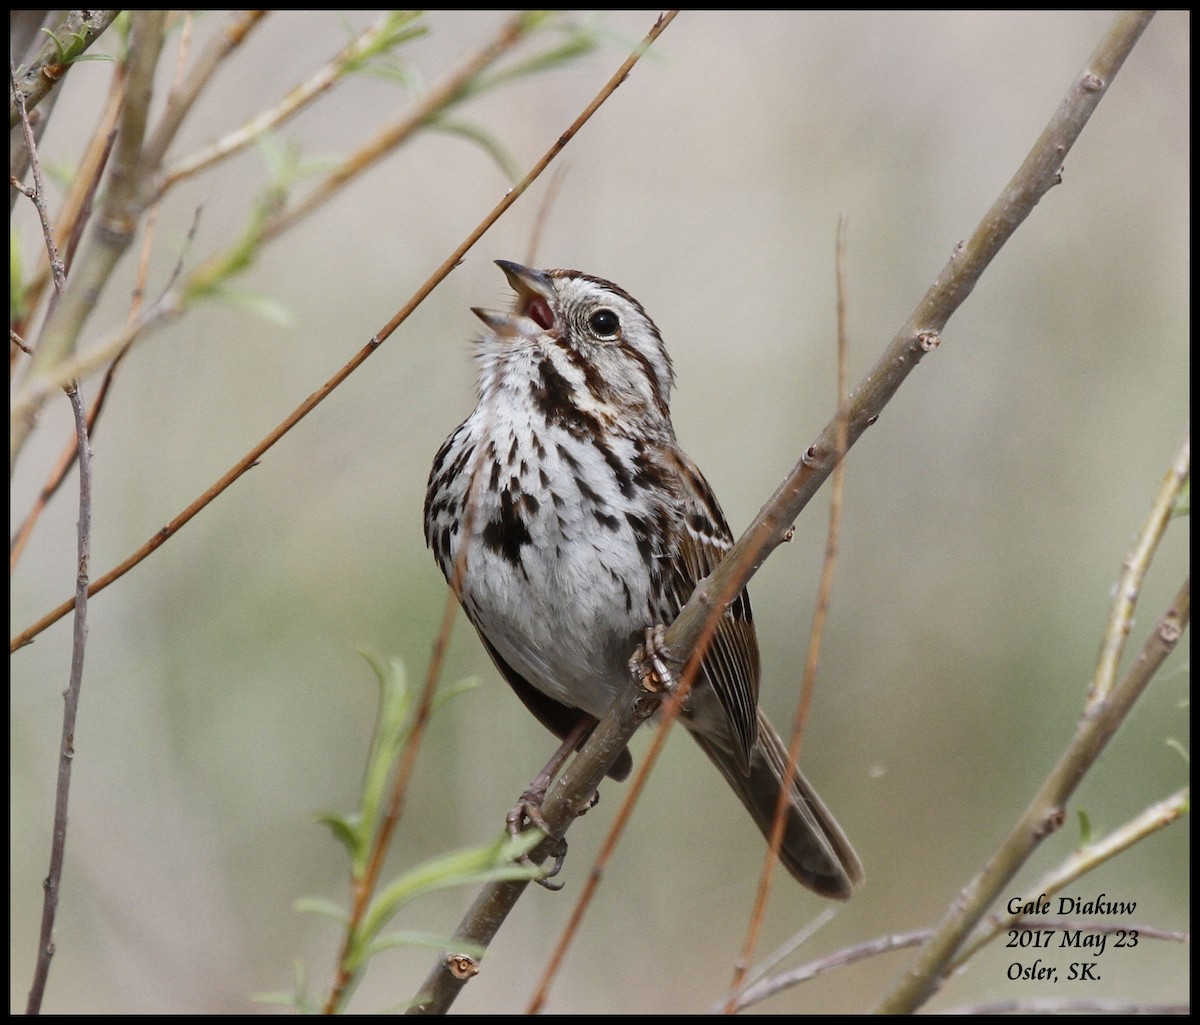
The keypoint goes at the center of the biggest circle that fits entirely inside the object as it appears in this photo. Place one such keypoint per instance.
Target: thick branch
(919, 335)
(115, 225)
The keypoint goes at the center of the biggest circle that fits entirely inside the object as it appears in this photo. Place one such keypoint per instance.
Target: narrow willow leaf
(433, 941)
(346, 829)
(321, 906)
(1085, 828)
(490, 862)
(488, 143)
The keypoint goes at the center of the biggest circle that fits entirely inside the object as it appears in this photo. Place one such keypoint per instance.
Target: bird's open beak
(533, 311)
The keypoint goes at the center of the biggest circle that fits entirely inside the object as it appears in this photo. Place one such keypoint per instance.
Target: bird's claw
(650, 663)
(528, 812)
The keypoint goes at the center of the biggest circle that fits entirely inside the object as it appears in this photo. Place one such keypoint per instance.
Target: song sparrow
(585, 523)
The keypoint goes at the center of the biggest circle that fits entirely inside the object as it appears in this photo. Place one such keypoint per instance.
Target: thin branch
(185, 91)
(66, 754)
(390, 136)
(1077, 864)
(1129, 586)
(768, 987)
(820, 612)
(919, 336)
(323, 79)
(38, 194)
(58, 837)
(1044, 814)
(364, 887)
(169, 305)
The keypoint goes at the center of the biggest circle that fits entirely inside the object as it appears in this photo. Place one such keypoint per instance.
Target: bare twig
(66, 754)
(323, 79)
(187, 88)
(1129, 586)
(820, 612)
(171, 304)
(775, 984)
(75, 209)
(38, 194)
(768, 987)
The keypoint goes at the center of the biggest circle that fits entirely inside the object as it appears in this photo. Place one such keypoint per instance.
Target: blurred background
(986, 517)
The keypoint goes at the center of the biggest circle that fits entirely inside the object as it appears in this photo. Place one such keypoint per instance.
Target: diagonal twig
(818, 628)
(173, 302)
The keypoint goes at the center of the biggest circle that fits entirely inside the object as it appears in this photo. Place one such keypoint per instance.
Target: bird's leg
(528, 808)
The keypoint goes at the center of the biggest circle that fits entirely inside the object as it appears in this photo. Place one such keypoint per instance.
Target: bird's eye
(605, 323)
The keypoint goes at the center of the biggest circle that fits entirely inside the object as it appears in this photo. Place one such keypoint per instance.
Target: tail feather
(814, 849)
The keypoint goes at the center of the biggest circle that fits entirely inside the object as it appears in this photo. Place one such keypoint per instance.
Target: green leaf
(16, 280)
(1085, 828)
(1183, 503)
(488, 143)
(347, 829)
(399, 28)
(321, 906)
(453, 690)
(430, 940)
(298, 1000)
(391, 733)
(92, 57)
(264, 307)
(491, 862)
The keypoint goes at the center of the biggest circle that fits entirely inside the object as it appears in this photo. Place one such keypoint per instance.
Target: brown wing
(731, 664)
(558, 718)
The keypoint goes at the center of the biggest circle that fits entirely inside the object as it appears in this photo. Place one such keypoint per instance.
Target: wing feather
(731, 664)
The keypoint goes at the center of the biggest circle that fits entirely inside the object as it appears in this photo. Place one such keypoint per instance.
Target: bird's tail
(814, 849)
